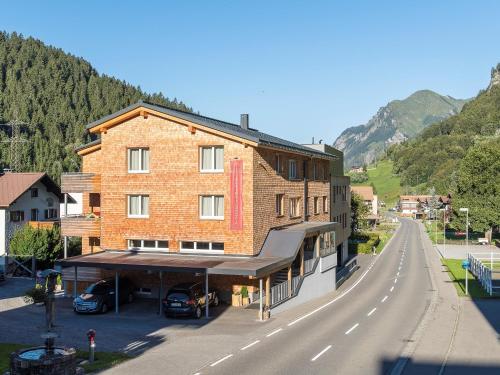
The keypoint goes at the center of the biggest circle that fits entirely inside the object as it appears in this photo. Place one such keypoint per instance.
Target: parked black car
(188, 299)
(100, 296)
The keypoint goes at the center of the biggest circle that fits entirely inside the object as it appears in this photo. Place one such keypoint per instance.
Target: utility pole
(16, 142)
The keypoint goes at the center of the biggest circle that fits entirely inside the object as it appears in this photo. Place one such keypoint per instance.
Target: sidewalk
(460, 333)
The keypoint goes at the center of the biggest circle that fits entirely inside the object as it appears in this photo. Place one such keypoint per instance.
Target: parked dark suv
(100, 296)
(188, 299)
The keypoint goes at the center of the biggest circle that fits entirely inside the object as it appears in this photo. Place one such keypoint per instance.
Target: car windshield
(96, 289)
(179, 295)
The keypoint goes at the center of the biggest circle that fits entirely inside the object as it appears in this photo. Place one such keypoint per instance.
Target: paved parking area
(460, 251)
(136, 328)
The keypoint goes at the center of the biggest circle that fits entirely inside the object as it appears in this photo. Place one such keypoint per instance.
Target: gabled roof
(250, 135)
(366, 192)
(13, 185)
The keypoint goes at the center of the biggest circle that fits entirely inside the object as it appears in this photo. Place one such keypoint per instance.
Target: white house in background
(26, 198)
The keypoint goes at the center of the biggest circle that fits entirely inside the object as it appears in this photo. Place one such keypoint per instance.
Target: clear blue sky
(300, 68)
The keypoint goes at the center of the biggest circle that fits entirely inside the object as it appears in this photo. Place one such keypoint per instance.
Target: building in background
(26, 198)
(170, 196)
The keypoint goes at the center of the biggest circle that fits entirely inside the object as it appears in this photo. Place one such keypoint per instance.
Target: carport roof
(279, 250)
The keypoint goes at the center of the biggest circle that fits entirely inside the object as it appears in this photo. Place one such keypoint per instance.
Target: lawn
(102, 361)
(457, 275)
(386, 183)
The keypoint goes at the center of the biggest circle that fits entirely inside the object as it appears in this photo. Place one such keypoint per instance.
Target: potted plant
(244, 296)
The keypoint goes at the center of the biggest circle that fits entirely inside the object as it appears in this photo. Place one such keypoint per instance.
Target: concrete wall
(314, 286)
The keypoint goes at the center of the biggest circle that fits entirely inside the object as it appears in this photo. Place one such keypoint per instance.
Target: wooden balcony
(80, 226)
(80, 183)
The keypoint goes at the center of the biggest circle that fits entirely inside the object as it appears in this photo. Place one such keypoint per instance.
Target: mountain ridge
(399, 120)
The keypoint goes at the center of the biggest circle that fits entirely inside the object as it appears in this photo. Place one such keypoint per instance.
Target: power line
(16, 144)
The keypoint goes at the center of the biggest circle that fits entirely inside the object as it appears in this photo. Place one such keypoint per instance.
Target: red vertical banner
(236, 195)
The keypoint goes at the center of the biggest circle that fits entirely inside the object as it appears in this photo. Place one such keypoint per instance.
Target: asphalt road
(363, 332)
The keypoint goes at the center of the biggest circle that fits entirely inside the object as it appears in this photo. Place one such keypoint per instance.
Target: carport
(253, 267)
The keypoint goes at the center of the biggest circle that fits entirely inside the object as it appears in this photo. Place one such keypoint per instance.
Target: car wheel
(197, 312)
(130, 298)
(216, 301)
(104, 308)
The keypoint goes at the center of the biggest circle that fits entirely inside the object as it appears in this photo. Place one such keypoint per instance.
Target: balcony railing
(80, 183)
(81, 226)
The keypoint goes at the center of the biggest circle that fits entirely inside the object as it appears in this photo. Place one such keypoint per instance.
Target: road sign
(465, 264)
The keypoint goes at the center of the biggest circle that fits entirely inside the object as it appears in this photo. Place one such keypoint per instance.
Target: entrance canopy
(279, 250)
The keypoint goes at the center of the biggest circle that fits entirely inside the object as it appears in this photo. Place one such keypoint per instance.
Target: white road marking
(383, 299)
(339, 297)
(395, 281)
(198, 373)
(220, 360)
(397, 274)
(274, 332)
(399, 269)
(392, 288)
(352, 328)
(371, 312)
(250, 345)
(320, 353)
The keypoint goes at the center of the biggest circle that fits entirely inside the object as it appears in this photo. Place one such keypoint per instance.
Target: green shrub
(244, 292)
(35, 294)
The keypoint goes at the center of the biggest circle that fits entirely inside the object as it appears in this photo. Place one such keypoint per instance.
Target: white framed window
(138, 160)
(292, 169)
(148, 245)
(138, 206)
(316, 205)
(279, 204)
(212, 207)
(202, 247)
(212, 159)
(325, 204)
(278, 164)
(294, 207)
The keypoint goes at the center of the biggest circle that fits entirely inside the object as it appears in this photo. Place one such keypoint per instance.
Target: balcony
(80, 183)
(81, 226)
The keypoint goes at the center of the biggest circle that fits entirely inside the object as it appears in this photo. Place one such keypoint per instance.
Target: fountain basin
(37, 361)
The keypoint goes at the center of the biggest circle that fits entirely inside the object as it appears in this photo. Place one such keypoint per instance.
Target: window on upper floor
(212, 207)
(16, 216)
(292, 169)
(138, 160)
(325, 204)
(34, 192)
(279, 204)
(316, 205)
(138, 206)
(278, 163)
(294, 207)
(212, 159)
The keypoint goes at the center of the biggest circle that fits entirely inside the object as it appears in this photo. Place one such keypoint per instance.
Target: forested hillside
(433, 158)
(55, 94)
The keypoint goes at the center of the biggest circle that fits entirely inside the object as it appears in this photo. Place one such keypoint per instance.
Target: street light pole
(444, 231)
(466, 210)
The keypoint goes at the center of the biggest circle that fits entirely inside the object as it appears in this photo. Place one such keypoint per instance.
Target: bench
(482, 241)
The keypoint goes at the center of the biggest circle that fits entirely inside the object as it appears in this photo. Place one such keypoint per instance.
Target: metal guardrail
(309, 265)
(345, 272)
(296, 281)
(280, 292)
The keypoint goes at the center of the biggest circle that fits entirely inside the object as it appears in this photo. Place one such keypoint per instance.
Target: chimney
(244, 121)
(313, 140)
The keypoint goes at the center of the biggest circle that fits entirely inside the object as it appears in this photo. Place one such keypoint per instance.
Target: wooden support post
(290, 280)
(316, 246)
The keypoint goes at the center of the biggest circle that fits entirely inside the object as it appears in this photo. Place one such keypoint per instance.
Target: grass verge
(457, 276)
(103, 360)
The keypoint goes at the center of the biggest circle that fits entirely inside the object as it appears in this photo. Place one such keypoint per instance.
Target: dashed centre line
(274, 332)
(250, 345)
(352, 328)
(395, 281)
(384, 299)
(392, 288)
(372, 311)
(220, 360)
(320, 353)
